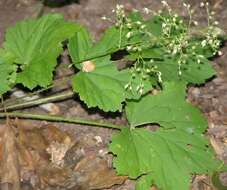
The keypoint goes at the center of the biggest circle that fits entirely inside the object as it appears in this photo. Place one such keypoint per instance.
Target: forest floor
(211, 98)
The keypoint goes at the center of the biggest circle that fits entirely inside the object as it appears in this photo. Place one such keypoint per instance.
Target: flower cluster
(174, 39)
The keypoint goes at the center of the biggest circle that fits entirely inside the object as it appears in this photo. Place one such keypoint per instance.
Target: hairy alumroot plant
(166, 54)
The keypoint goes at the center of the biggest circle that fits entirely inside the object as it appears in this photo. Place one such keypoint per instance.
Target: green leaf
(104, 87)
(169, 156)
(79, 45)
(100, 87)
(154, 25)
(149, 53)
(144, 182)
(7, 76)
(168, 108)
(36, 44)
(109, 43)
(192, 72)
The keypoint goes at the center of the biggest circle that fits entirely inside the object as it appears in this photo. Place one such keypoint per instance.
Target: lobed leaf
(36, 44)
(166, 157)
(168, 108)
(100, 87)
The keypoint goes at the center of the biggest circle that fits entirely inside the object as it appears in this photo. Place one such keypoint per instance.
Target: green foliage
(35, 45)
(163, 58)
(169, 157)
(168, 108)
(7, 75)
(99, 88)
(192, 72)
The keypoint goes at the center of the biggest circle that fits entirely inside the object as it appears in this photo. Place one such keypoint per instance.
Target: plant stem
(60, 119)
(61, 96)
(57, 82)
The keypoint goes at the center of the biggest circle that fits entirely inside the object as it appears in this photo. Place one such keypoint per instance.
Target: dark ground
(211, 98)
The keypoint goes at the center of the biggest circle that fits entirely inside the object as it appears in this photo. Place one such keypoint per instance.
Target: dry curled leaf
(88, 66)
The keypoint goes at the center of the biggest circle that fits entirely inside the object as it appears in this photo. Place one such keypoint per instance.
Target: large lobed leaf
(36, 44)
(166, 158)
(100, 87)
(168, 108)
(104, 86)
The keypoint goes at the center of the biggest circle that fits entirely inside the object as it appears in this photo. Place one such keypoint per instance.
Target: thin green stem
(60, 119)
(56, 83)
(61, 96)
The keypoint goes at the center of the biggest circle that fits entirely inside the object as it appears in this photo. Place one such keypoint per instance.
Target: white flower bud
(220, 53)
(103, 18)
(195, 23)
(128, 35)
(202, 4)
(146, 10)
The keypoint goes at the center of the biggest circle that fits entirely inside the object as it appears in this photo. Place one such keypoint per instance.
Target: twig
(61, 119)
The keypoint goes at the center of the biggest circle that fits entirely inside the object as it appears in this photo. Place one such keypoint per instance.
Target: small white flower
(141, 91)
(143, 26)
(128, 35)
(127, 86)
(104, 18)
(163, 25)
(202, 4)
(220, 53)
(195, 23)
(204, 43)
(146, 10)
(159, 77)
(185, 5)
(164, 3)
(138, 22)
(179, 72)
(129, 48)
(216, 23)
(129, 25)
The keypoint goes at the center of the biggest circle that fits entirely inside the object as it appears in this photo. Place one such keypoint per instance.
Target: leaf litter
(47, 158)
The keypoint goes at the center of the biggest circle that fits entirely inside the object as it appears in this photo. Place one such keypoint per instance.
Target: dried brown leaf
(53, 134)
(32, 139)
(10, 178)
(94, 173)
